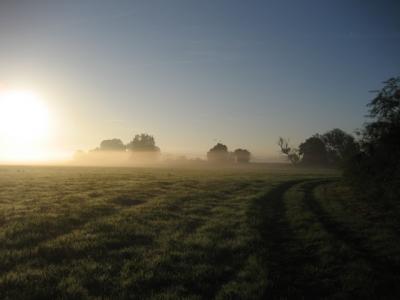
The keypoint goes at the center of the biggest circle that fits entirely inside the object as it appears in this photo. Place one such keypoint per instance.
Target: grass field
(257, 233)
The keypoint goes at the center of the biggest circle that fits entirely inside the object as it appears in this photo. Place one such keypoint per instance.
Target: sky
(193, 73)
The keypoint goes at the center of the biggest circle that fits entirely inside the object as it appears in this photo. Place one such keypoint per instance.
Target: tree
(219, 154)
(340, 146)
(385, 107)
(291, 153)
(294, 157)
(242, 155)
(143, 143)
(112, 145)
(313, 151)
(376, 168)
(284, 145)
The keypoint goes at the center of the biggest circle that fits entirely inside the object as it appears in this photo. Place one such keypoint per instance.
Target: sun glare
(24, 125)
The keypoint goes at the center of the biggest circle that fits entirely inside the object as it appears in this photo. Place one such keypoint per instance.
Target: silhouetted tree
(313, 151)
(294, 157)
(242, 155)
(143, 143)
(291, 153)
(112, 145)
(377, 167)
(219, 153)
(284, 145)
(340, 146)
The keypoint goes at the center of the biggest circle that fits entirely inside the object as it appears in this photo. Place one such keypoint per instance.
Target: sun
(24, 123)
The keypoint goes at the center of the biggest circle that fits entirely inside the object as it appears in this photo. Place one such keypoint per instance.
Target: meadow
(271, 231)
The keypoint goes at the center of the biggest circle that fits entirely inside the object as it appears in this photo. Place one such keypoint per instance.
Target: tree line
(375, 169)
(333, 148)
(146, 143)
(371, 163)
(140, 143)
(220, 154)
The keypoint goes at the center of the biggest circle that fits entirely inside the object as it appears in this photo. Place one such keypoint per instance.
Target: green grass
(261, 232)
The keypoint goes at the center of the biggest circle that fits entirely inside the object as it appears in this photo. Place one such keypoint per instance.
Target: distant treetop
(112, 145)
(218, 154)
(313, 151)
(143, 143)
(242, 155)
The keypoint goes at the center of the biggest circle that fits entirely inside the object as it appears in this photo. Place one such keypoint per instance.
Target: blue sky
(196, 72)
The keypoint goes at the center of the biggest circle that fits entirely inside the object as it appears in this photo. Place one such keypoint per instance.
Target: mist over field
(199, 149)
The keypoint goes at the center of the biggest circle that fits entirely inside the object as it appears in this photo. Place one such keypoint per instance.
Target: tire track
(282, 257)
(387, 271)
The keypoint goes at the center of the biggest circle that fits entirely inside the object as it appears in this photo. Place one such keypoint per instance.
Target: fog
(115, 158)
(151, 159)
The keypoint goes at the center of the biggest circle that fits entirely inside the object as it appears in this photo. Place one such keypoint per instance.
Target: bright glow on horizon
(24, 126)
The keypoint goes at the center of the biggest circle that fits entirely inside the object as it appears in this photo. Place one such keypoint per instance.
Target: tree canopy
(292, 153)
(333, 148)
(112, 145)
(143, 143)
(340, 146)
(376, 167)
(313, 151)
(242, 155)
(218, 154)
